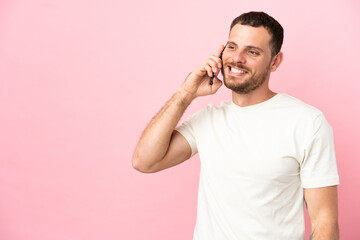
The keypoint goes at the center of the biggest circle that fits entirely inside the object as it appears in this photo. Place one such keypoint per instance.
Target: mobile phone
(213, 75)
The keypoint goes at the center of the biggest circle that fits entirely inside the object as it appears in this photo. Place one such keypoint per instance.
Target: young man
(261, 153)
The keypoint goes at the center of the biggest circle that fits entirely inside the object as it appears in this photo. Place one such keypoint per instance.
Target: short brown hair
(257, 19)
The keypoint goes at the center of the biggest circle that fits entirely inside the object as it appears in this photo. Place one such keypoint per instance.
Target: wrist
(184, 96)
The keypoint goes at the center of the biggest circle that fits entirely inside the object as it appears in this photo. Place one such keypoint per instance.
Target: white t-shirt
(255, 162)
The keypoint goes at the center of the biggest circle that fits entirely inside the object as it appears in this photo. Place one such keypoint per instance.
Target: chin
(233, 81)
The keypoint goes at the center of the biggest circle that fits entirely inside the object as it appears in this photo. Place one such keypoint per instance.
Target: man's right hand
(160, 145)
(198, 82)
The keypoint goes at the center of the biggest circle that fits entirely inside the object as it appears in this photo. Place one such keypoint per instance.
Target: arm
(160, 146)
(322, 206)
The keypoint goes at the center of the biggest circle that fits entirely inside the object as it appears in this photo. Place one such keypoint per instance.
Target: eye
(230, 47)
(252, 52)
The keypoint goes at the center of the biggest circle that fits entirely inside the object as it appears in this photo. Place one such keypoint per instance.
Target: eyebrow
(248, 46)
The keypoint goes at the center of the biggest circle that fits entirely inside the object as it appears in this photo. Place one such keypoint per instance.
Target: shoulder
(209, 113)
(214, 109)
(299, 110)
(308, 118)
(299, 106)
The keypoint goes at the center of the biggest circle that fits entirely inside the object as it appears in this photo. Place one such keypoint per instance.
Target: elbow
(139, 165)
(328, 229)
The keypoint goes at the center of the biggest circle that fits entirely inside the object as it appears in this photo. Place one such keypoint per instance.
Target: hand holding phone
(213, 74)
(197, 84)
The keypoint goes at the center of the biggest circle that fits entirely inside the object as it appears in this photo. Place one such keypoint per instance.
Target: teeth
(234, 70)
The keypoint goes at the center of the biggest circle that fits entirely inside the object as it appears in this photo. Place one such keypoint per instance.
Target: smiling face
(247, 60)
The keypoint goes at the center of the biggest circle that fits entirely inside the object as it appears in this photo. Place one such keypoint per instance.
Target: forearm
(325, 231)
(155, 139)
(323, 211)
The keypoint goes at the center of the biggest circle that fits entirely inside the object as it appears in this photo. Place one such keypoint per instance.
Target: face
(246, 58)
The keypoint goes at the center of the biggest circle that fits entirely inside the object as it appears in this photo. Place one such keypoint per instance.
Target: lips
(236, 71)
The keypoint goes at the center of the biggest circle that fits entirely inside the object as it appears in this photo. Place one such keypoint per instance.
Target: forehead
(244, 35)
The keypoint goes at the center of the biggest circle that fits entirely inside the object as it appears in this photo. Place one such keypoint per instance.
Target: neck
(259, 95)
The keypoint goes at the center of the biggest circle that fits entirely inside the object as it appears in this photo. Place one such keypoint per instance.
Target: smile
(236, 71)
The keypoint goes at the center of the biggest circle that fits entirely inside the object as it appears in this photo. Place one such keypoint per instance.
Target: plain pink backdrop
(79, 81)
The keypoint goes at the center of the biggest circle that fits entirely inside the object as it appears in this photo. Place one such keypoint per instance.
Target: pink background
(79, 81)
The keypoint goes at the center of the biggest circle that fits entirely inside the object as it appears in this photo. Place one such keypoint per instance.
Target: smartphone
(213, 74)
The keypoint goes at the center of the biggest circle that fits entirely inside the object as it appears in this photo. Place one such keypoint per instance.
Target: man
(261, 153)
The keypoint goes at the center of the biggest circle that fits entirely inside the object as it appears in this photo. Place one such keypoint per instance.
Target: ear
(276, 61)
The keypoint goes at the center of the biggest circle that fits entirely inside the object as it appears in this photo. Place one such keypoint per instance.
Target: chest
(252, 150)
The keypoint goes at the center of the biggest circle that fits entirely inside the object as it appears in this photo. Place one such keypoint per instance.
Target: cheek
(258, 63)
(226, 57)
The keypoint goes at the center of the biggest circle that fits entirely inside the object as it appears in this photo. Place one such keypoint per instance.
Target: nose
(239, 57)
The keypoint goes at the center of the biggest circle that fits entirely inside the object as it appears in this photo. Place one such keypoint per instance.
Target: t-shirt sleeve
(318, 168)
(187, 130)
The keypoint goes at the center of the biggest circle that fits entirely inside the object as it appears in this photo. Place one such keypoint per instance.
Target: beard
(249, 84)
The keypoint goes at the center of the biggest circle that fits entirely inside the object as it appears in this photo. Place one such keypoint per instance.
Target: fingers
(214, 61)
(219, 51)
(217, 61)
(213, 64)
(208, 70)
